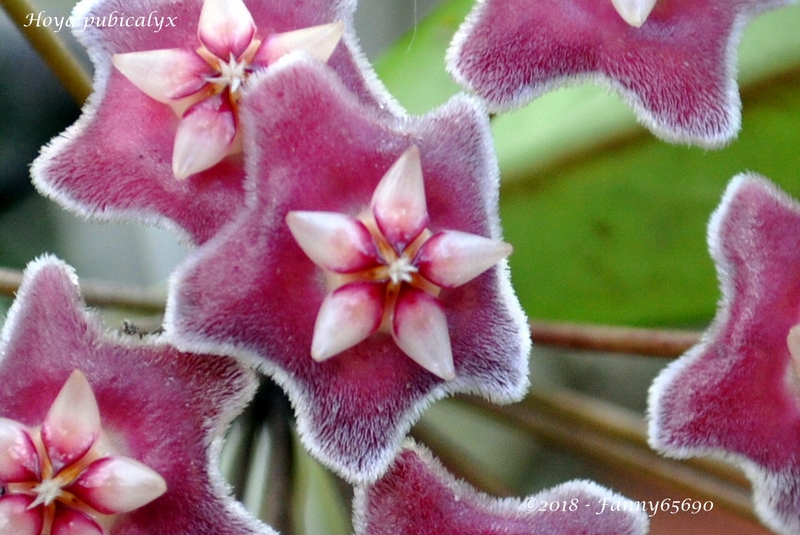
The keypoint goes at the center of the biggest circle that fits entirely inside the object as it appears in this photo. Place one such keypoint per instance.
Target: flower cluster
(354, 254)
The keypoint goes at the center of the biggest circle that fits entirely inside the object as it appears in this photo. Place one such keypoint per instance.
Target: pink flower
(204, 85)
(158, 141)
(418, 496)
(388, 267)
(735, 395)
(108, 435)
(66, 472)
(673, 62)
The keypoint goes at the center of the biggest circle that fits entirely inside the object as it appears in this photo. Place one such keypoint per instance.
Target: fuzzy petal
(72, 424)
(677, 71)
(115, 163)
(166, 409)
(418, 496)
(346, 317)
(420, 329)
(165, 75)
(334, 241)
(398, 203)
(204, 137)
(452, 258)
(254, 293)
(18, 458)
(16, 518)
(736, 395)
(226, 27)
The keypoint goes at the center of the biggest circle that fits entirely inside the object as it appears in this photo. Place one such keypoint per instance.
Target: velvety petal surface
(417, 495)
(165, 409)
(677, 71)
(736, 395)
(116, 161)
(253, 292)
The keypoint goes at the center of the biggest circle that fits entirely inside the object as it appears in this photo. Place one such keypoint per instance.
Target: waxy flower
(417, 495)
(63, 474)
(173, 108)
(736, 395)
(106, 434)
(253, 292)
(388, 269)
(673, 62)
(203, 86)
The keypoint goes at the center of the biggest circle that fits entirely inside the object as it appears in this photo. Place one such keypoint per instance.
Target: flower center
(231, 74)
(46, 492)
(401, 270)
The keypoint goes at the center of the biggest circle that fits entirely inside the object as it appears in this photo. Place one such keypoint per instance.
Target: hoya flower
(102, 434)
(159, 140)
(387, 269)
(673, 62)
(203, 86)
(364, 330)
(417, 495)
(63, 473)
(736, 395)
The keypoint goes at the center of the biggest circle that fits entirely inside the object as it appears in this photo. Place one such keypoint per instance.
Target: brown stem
(51, 49)
(622, 455)
(631, 340)
(616, 423)
(96, 293)
(459, 462)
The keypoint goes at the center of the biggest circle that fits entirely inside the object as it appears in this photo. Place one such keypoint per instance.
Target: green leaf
(620, 237)
(413, 68)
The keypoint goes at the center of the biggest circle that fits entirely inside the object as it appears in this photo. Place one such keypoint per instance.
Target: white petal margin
(72, 424)
(398, 203)
(634, 12)
(318, 41)
(598, 510)
(776, 495)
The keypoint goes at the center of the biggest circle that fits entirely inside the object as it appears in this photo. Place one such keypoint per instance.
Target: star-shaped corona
(386, 269)
(65, 477)
(203, 85)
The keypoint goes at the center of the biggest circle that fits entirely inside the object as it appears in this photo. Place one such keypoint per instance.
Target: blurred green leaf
(621, 237)
(318, 507)
(413, 68)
